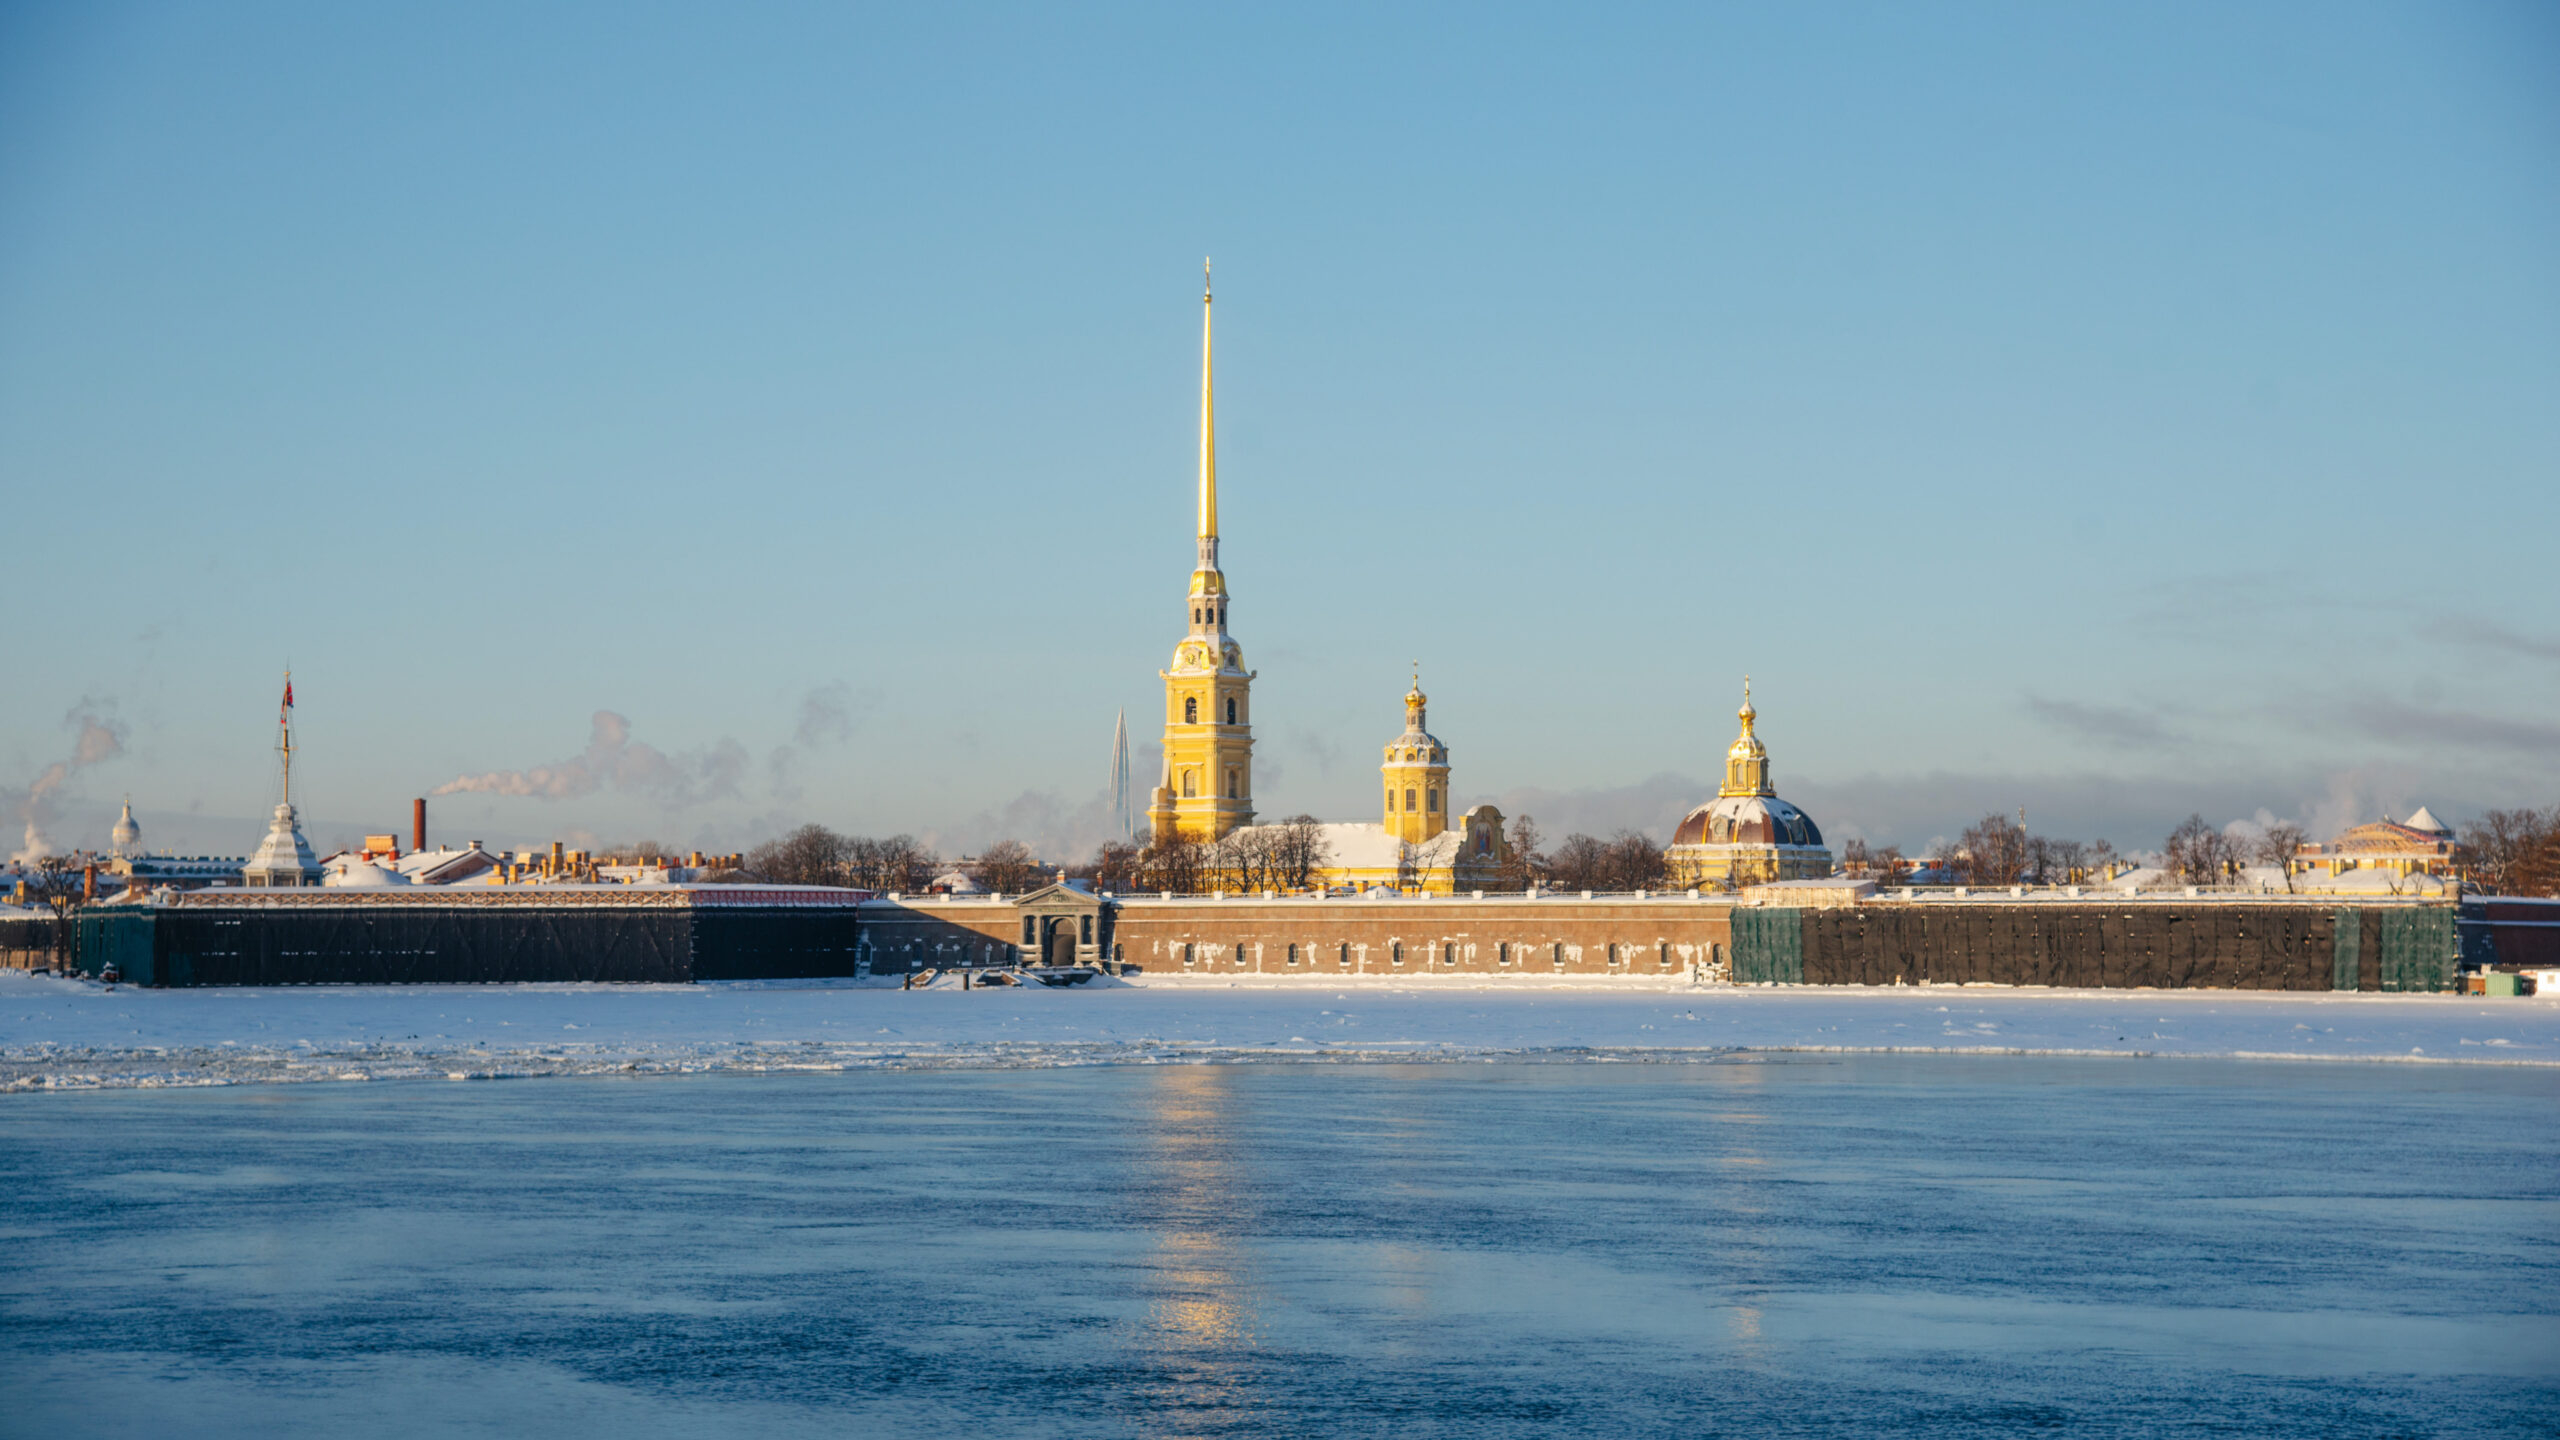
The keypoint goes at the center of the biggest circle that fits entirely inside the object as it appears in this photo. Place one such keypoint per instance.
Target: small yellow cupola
(1746, 765)
(1416, 775)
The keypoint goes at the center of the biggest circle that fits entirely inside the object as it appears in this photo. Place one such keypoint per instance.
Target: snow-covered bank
(68, 1034)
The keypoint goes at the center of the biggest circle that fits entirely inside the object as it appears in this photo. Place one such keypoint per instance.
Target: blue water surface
(1850, 1245)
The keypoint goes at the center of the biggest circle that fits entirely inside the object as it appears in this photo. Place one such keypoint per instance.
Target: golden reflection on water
(1198, 1306)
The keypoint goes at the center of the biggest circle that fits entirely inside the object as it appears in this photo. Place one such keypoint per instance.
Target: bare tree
(1886, 864)
(1114, 867)
(1008, 868)
(1298, 851)
(1634, 861)
(1178, 864)
(1580, 863)
(59, 883)
(2497, 847)
(1243, 859)
(2097, 857)
(1408, 864)
(1855, 858)
(897, 863)
(1995, 851)
(810, 855)
(2278, 846)
(2199, 854)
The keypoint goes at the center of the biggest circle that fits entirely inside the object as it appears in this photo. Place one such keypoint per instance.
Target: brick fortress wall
(1495, 935)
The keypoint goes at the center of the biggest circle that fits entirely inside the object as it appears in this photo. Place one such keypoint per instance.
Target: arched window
(1408, 800)
(1231, 709)
(1187, 790)
(1293, 952)
(1431, 801)
(1190, 709)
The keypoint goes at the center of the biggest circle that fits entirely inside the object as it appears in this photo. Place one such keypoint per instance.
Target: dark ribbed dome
(1747, 820)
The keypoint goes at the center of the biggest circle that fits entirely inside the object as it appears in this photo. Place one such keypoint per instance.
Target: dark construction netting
(447, 945)
(2233, 947)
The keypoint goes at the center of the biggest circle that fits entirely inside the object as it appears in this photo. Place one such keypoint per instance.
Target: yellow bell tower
(1208, 718)
(1417, 775)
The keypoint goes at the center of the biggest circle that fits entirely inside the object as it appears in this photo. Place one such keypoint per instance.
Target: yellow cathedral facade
(1205, 792)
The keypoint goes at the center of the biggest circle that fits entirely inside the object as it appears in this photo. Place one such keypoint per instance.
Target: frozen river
(1757, 1244)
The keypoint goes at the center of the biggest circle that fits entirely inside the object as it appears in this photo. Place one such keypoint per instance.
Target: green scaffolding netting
(2418, 949)
(2346, 950)
(1768, 946)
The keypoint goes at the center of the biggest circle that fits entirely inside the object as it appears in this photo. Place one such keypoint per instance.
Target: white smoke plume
(614, 760)
(101, 738)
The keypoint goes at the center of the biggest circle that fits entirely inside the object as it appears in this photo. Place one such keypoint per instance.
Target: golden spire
(1208, 425)
(1746, 765)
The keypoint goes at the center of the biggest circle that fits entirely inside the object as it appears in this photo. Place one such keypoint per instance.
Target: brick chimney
(418, 823)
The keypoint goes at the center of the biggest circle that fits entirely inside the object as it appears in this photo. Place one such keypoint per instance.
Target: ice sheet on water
(58, 1034)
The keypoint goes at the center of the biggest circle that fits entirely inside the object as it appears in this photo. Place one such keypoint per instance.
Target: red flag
(288, 697)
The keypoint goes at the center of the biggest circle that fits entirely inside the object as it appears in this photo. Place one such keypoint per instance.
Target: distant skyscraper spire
(1120, 774)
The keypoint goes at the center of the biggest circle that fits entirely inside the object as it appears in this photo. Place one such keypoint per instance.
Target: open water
(1844, 1245)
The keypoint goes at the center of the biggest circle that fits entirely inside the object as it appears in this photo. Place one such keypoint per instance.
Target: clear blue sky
(2114, 411)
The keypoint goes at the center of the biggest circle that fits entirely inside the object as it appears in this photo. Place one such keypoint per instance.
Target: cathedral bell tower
(1207, 790)
(1417, 776)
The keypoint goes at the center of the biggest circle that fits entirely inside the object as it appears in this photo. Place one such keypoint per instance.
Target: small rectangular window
(1395, 953)
(1239, 952)
(1345, 957)
(1431, 801)
(1449, 953)
(1502, 953)
(1293, 952)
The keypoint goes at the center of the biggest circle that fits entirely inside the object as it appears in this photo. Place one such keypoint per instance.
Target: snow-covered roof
(1359, 845)
(2426, 820)
(355, 872)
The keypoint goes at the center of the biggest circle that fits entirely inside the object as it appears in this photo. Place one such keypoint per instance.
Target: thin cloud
(2497, 637)
(613, 760)
(2409, 724)
(2122, 726)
